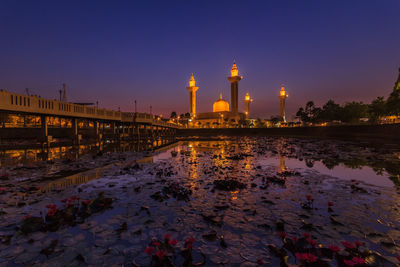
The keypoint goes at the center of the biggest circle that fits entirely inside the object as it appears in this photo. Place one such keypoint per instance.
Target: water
(277, 174)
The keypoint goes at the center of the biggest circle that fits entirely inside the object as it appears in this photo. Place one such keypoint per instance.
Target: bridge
(46, 119)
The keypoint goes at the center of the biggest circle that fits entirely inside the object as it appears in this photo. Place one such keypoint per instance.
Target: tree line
(351, 112)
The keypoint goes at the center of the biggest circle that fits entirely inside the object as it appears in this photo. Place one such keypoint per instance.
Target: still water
(232, 196)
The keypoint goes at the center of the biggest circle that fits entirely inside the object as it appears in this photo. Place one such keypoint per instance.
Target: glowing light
(283, 92)
(234, 70)
(220, 105)
(192, 81)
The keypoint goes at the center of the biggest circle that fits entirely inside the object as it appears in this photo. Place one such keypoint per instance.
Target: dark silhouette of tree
(173, 115)
(377, 109)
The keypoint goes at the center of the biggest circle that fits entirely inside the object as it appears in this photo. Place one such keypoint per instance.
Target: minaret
(247, 101)
(282, 97)
(234, 79)
(192, 95)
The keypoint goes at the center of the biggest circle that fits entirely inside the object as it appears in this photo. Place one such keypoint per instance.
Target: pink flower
(167, 236)
(334, 248)
(330, 203)
(173, 242)
(349, 262)
(189, 242)
(160, 254)
(306, 257)
(282, 234)
(347, 245)
(259, 261)
(357, 260)
(358, 243)
(311, 242)
(149, 250)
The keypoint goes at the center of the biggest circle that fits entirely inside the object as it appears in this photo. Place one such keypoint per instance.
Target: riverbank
(375, 133)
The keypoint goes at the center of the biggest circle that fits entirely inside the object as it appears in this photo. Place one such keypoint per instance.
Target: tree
(354, 111)
(173, 115)
(309, 114)
(330, 112)
(377, 109)
(393, 103)
(275, 119)
(259, 123)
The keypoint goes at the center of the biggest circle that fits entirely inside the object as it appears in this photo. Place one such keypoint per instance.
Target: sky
(115, 52)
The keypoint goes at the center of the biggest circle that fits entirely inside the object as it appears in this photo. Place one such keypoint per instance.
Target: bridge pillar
(75, 136)
(45, 129)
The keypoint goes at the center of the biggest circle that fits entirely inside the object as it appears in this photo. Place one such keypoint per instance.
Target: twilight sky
(117, 51)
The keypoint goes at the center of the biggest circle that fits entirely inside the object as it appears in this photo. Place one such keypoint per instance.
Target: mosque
(223, 114)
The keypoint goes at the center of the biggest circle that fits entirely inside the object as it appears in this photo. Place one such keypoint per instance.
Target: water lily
(334, 248)
(306, 257)
(149, 250)
(173, 242)
(160, 254)
(282, 234)
(167, 237)
(348, 245)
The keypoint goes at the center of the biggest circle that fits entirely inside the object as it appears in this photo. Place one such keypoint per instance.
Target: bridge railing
(36, 105)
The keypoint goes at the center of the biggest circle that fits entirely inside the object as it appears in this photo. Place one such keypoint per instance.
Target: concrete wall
(379, 133)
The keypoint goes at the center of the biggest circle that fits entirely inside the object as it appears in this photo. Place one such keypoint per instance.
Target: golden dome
(220, 105)
(234, 70)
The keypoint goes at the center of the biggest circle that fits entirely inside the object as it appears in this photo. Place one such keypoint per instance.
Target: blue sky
(117, 51)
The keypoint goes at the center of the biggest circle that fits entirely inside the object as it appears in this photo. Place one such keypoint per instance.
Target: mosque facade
(224, 114)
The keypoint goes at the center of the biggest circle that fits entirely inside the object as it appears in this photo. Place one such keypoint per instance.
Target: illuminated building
(220, 105)
(234, 79)
(224, 114)
(282, 97)
(192, 88)
(247, 101)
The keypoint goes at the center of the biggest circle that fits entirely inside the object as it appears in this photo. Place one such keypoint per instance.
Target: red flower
(358, 243)
(306, 257)
(349, 262)
(294, 239)
(101, 204)
(259, 261)
(357, 260)
(330, 204)
(306, 235)
(27, 217)
(156, 244)
(86, 202)
(334, 248)
(347, 245)
(167, 236)
(282, 234)
(311, 242)
(189, 242)
(309, 197)
(149, 250)
(398, 258)
(173, 242)
(2, 189)
(160, 254)
(64, 200)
